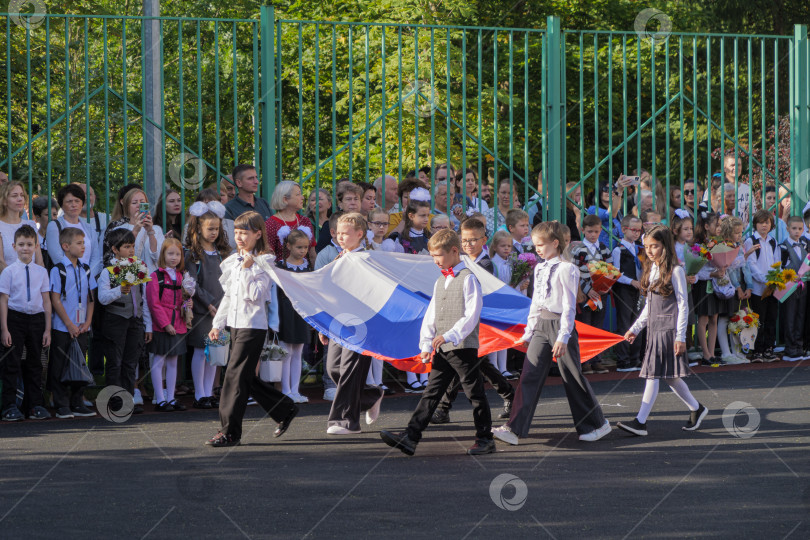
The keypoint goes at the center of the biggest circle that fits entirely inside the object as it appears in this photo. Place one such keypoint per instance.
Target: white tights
(291, 368)
(651, 392)
(203, 374)
(498, 359)
(722, 335)
(413, 377)
(158, 361)
(375, 371)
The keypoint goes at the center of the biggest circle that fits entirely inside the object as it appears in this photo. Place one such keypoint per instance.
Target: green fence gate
(317, 101)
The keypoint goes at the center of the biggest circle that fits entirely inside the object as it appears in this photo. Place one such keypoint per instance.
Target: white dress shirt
(616, 256)
(556, 293)
(108, 295)
(759, 263)
(13, 283)
(503, 269)
(247, 291)
(473, 302)
(679, 290)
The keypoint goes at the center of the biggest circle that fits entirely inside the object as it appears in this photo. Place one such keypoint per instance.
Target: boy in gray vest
(793, 309)
(450, 333)
(127, 322)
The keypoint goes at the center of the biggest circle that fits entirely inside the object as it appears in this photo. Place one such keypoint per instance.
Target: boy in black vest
(590, 249)
(626, 293)
(805, 241)
(450, 329)
(793, 309)
(473, 238)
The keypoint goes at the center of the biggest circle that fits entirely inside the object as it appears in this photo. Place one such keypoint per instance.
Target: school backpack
(63, 277)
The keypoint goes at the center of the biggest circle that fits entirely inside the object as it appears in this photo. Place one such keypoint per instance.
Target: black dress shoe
(284, 424)
(137, 409)
(440, 417)
(507, 409)
(400, 441)
(482, 446)
(177, 406)
(203, 403)
(164, 406)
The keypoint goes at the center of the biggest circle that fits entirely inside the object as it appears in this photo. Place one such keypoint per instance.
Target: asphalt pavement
(744, 474)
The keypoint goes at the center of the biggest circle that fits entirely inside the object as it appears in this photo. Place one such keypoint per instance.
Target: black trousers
(626, 298)
(98, 341)
(792, 322)
(64, 394)
(447, 365)
(768, 310)
(592, 318)
(348, 370)
(26, 332)
(493, 377)
(123, 346)
(242, 382)
(585, 408)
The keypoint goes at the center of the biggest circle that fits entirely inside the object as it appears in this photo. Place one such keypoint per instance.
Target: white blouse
(555, 290)
(759, 263)
(679, 290)
(247, 291)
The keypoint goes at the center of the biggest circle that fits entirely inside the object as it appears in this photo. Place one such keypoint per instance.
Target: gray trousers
(349, 369)
(584, 406)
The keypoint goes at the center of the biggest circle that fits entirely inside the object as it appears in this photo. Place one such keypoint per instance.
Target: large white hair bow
(199, 208)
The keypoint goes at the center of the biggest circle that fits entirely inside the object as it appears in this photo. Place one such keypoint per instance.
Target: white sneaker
(137, 399)
(300, 399)
(505, 434)
(731, 359)
(792, 358)
(329, 394)
(339, 430)
(742, 358)
(374, 412)
(694, 355)
(596, 434)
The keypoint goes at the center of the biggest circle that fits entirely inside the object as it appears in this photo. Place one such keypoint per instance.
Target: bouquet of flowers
(743, 329)
(745, 318)
(522, 267)
(695, 258)
(780, 283)
(603, 275)
(189, 286)
(130, 271)
(723, 253)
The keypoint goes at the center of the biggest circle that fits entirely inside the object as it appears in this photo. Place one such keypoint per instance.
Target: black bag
(76, 371)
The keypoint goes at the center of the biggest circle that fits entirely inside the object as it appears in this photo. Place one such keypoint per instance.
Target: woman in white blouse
(12, 208)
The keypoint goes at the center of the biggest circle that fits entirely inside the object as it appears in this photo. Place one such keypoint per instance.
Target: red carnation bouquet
(128, 271)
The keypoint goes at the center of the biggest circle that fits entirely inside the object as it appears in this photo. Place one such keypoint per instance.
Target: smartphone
(627, 182)
(144, 209)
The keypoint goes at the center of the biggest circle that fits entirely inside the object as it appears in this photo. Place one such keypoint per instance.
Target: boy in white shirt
(761, 251)
(25, 323)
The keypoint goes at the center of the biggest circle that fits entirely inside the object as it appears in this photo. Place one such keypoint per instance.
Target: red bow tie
(448, 272)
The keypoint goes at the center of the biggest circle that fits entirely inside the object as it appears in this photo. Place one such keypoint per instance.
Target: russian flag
(373, 302)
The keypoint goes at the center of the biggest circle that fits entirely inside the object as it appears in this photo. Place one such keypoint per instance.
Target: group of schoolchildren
(231, 290)
(51, 309)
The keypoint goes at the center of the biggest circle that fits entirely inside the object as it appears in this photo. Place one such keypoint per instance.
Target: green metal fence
(317, 101)
(73, 89)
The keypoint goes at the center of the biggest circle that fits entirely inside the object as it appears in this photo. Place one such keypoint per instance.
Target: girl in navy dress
(293, 331)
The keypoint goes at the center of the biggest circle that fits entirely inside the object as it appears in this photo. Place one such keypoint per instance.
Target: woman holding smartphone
(133, 213)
